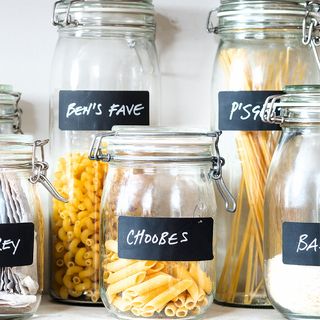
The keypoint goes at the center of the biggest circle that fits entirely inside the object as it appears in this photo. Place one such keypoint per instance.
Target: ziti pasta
(176, 289)
(157, 222)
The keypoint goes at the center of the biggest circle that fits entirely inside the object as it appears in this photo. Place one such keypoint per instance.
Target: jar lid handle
(216, 174)
(311, 27)
(39, 170)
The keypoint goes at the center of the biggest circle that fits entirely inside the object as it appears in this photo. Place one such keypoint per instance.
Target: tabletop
(52, 310)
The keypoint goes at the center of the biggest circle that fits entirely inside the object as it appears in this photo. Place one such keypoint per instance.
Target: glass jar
(105, 72)
(260, 52)
(158, 210)
(292, 218)
(21, 225)
(10, 113)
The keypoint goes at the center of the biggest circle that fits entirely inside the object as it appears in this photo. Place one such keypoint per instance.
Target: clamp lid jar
(21, 225)
(292, 218)
(158, 216)
(260, 52)
(105, 72)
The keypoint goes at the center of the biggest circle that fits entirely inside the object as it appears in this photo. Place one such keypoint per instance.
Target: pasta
(141, 288)
(241, 279)
(75, 226)
(131, 288)
(170, 310)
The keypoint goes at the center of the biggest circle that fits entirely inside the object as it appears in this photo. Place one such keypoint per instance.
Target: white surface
(50, 310)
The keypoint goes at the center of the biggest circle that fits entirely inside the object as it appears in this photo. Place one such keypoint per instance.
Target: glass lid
(156, 143)
(112, 13)
(258, 14)
(299, 104)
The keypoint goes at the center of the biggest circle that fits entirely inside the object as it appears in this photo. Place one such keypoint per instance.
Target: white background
(186, 53)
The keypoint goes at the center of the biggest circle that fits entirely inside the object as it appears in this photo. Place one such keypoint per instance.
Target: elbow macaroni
(75, 227)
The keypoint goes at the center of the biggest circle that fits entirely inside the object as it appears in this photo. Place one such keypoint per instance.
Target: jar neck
(260, 17)
(98, 15)
(300, 117)
(16, 151)
(107, 32)
(262, 34)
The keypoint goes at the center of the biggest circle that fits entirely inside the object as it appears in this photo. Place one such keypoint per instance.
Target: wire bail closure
(40, 168)
(68, 18)
(215, 173)
(210, 27)
(15, 117)
(311, 30)
(268, 113)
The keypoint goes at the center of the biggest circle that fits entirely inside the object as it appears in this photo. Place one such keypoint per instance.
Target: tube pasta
(180, 300)
(124, 284)
(159, 266)
(145, 288)
(158, 303)
(121, 304)
(156, 292)
(119, 264)
(145, 298)
(190, 303)
(182, 312)
(182, 273)
(153, 283)
(130, 287)
(170, 310)
(75, 227)
(130, 270)
(201, 278)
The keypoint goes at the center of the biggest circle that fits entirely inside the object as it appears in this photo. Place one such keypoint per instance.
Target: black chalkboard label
(301, 243)
(100, 110)
(240, 110)
(16, 244)
(165, 239)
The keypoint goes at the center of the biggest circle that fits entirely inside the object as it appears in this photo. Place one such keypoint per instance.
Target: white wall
(186, 51)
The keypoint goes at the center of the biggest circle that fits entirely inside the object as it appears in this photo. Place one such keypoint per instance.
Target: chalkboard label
(165, 239)
(16, 244)
(240, 110)
(100, 110)
(301, 243)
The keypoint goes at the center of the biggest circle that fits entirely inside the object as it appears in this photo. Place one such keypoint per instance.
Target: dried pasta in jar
(157, 238)
(260, 52)
(75, 229)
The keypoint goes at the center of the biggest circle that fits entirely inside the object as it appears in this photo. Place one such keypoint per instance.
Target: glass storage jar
(21, 225)
(292, 217)
(260, 52)
(158, 210)
(10, 113)
(105, 72)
